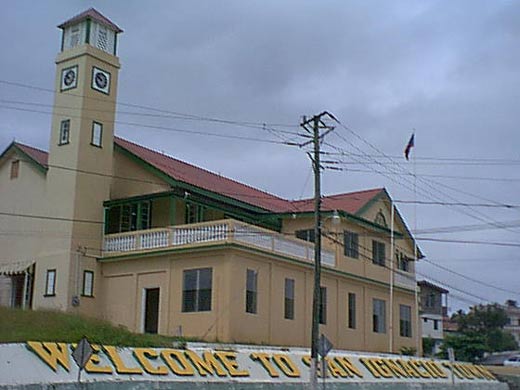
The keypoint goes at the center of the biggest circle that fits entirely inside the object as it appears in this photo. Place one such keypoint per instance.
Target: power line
(455, 177)
(150, 108)
(507, 244)
(425, 158)
(470, 278)
(465, 204)
(164, 128)
(480, 216)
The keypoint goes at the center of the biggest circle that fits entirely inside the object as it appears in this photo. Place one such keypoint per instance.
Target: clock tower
(80, 157)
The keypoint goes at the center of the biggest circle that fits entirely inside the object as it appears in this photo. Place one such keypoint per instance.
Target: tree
(480, 330)
(468, 347)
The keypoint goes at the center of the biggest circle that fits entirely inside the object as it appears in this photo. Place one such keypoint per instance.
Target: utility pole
(317, 124)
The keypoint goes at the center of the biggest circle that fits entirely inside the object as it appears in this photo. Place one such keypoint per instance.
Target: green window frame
(128, 217)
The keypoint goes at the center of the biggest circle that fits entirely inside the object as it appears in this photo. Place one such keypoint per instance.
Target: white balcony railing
(210, 233)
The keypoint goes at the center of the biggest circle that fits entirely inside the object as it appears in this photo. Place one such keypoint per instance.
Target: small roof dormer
(92, 28)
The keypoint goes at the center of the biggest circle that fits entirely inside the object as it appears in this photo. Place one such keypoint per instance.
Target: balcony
(211, 233)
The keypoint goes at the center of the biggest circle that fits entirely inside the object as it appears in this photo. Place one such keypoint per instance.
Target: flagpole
(392, 250)
(417, 323)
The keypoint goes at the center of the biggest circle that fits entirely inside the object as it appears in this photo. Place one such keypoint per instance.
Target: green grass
(18, 326)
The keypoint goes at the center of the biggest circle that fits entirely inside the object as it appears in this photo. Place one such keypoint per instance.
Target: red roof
(38, 155)
(93, 14)
(201, 178)
(187, 173)
(351, 202)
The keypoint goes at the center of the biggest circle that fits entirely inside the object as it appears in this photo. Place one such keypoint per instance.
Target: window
(322, 314)
(352, 310)
(102, 38)
(351, 244)
(380, 219)
(64, 132)
(193, 213)
(430, 300)
(129, 217)
(251, 291)
(378, 316)
(436, 324)
(378, 253)
(307, 235)
(88, 284)
(50, 283)
(196, 291)
(74, 36)
(402, 261)
(15, 169)
(289, 299)
(97, 134)
(405, 321)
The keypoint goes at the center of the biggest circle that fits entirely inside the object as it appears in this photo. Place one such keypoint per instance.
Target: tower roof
(93, 14)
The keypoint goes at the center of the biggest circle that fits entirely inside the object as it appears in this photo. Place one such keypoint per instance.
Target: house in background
(513, 316)
(108, 228)
(432, 307)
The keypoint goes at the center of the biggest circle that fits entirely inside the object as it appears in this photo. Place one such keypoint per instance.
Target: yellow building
(108, 228)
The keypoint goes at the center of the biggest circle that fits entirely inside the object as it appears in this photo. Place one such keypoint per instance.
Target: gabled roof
(93, 14)
(350, 202)
(183, 172)
(37, 156)
(190, 174)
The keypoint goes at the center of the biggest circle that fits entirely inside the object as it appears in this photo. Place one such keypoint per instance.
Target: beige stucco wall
(124, 281)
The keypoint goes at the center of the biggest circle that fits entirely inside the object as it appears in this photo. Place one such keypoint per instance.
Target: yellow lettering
(453, 369)
(372, 368)
(207, 364)
(51, 353)
(228, 359)
(144, 355)
(264, 358)
(411, 371)
(348, 366)
(118, 363)
(177, 362)
(306, 360)
(464, 371)
(383, 369)
(487, 374)
(396, 369)
(417, 365)
(286, 365)
(93, 367)
(335, 369)
(434, 367)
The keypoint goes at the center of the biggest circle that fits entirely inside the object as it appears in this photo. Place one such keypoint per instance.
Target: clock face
(100, 80)
(69, 78)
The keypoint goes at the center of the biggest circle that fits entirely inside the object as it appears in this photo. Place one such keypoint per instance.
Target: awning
(16, 267)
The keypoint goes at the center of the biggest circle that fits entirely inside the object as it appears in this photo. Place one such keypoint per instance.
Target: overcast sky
(448, 69)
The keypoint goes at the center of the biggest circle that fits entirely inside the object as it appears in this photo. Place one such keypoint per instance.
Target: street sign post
(82, 354)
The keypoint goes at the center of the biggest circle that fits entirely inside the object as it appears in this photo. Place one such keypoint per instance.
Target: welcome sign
(50, 362)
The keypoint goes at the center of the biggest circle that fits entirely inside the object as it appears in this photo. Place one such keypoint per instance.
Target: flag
(409, 146)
